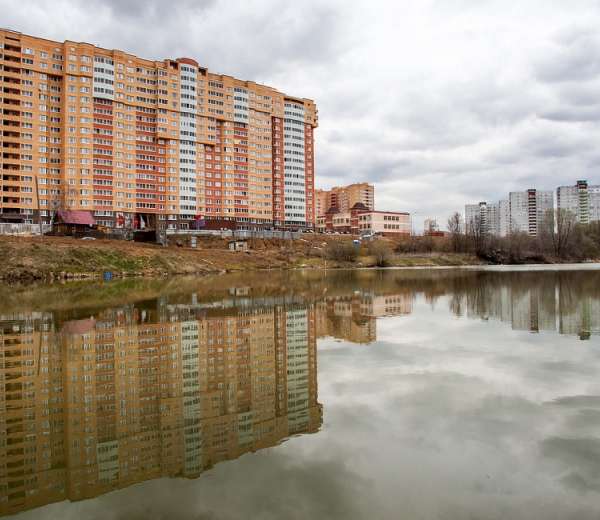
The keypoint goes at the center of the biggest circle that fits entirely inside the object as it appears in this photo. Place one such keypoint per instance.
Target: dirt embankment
(28, 259)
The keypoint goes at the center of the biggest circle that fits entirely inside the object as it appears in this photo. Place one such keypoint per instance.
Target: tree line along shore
(558, 238)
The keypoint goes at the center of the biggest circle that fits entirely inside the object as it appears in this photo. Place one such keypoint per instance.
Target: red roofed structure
(73, 222)
(67, 216)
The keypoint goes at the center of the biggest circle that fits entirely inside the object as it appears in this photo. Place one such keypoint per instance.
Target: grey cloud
(581, 94)
(551, 146)
(573, 114)
(585, 421)
(588, 401)
(151, 8)
(574, 102)
(579, 459)
(576, 57)
(266, 485)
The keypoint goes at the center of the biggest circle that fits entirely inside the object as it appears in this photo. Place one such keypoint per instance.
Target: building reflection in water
(168, 387)
(353, 318)
(92, 405)
(567, 303)
(563, 302)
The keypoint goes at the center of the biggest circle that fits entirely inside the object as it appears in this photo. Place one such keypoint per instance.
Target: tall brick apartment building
(344, 197)
(142, 143)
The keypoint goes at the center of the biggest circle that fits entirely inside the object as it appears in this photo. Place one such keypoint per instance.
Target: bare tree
(517, 245)
(557, 232)
(382, 253)
(455, 229)
(477, 235)
(341, 251)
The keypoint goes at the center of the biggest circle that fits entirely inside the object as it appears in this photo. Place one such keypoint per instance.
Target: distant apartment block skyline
(522, 212)
(344, 197)
(581, 199)
(166, 142)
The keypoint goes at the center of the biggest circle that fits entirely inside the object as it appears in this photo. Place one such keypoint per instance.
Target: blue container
(107, 276)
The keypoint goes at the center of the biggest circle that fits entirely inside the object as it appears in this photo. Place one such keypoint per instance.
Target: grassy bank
(28, 259)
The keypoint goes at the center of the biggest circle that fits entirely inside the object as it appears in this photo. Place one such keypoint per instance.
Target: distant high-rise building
(431, 226)
(321, 202)
(528, 210)
(344, 197)
(581, 199)
(503, 218)
(476, 215)
(594, 194)
(493, 218)
(522, 212)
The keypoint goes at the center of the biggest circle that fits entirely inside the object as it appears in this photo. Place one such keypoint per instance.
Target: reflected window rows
(97, 404)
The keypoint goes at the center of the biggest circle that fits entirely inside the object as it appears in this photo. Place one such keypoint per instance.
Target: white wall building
(476, 214)
(503, 218)
(581, 199)
(294, 170)
(528, 210)
(384, 222)
(493, 216)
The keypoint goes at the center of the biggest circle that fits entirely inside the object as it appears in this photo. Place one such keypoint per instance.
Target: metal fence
(23, 229)
(238, 233)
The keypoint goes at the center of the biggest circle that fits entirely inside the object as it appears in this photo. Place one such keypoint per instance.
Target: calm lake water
(426, 394)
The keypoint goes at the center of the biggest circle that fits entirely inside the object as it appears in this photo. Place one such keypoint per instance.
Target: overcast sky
(437, 102)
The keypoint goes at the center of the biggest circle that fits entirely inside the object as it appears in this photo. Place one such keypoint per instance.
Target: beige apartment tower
(344, 197)
(146, 143)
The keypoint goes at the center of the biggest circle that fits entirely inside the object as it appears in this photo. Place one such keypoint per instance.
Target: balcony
(10, 115)
(11, 137)
(11, 81)
(11, 58)
(13, 88)
(14, 214)
(11, 178)
(11, 102)
(12, 73)
(11, 123)
(12, 48)
(11, 201)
